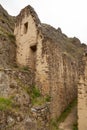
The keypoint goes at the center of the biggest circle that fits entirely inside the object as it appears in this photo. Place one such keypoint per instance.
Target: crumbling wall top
(28, 10)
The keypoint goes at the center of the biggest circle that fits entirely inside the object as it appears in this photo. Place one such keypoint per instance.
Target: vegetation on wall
(37, 98)
(5, 103)
(54, 123)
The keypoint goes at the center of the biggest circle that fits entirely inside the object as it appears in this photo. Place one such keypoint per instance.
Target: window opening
(25, 27)
(33, 48)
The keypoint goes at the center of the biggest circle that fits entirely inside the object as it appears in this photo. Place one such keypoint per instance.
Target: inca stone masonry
(54, 59)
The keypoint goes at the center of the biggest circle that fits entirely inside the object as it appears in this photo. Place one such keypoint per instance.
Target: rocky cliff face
(7, 39)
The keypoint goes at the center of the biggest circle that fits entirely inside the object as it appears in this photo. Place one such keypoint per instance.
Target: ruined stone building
(82, 94)
(39, 56)
(51, 55)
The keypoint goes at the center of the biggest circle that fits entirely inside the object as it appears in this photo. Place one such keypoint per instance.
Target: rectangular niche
(33, 48)
(25, 27)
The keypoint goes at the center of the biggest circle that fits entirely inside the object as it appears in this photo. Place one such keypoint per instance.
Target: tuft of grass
(48, 98)
(38, 101)
(37, 98)
(35, 92)
(5, 103)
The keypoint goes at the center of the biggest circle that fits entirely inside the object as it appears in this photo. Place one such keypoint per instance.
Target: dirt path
(69, 121)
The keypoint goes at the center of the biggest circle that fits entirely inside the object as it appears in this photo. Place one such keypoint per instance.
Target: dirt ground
(69, 121)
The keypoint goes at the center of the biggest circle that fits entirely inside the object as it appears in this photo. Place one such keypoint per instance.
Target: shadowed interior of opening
(33, 48)
(25, 27)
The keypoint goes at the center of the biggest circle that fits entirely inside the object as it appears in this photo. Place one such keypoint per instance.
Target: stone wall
(26, 39)
(16, 87)
(62, 77)
(41, 75)
(41, 114)
(82, 94)
(10, 81)
(41, 47)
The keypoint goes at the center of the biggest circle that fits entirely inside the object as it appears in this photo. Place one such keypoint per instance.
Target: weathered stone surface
(7, 39)
(61, 77)
(82, 94)
(27, 41)
(41, 114)
(52, 56)
(13, 88)
(46, 59)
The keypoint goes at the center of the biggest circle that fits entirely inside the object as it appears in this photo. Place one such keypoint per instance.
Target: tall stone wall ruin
(62, 77)
(39, 47)
(82, 94)
(26, 38)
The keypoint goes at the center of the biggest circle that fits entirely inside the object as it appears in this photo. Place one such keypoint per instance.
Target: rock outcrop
(7, 39)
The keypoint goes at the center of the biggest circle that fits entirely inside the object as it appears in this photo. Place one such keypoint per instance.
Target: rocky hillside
(18, 93)
(7, 39)
(70, 46)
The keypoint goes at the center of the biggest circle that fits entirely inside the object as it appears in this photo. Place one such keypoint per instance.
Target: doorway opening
(33, 50)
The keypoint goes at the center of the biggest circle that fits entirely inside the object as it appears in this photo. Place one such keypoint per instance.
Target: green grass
(38, 101)
(5, 103)
(67, 111)
(54, 123)
(35, 92)
(37, 98)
